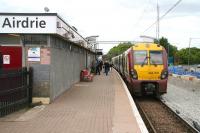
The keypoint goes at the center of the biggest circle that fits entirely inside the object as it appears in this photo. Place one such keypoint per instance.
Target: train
(144, 66)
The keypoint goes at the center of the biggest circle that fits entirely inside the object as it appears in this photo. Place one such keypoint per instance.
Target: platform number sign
(6, 59)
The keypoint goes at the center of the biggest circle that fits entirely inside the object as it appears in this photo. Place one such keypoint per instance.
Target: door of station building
(10, 57)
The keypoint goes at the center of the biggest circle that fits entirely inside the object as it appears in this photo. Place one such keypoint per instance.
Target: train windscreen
(156, 57)
(140, 57)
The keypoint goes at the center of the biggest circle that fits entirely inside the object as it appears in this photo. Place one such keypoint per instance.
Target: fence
(15, 90)
(182, 71)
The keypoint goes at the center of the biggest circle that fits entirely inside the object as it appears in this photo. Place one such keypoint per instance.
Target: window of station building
(34, 39)
(9, 39)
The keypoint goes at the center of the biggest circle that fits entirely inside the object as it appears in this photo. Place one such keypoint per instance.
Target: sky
(121, 20)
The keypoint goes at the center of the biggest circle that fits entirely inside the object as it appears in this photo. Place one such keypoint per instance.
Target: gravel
(183, 100)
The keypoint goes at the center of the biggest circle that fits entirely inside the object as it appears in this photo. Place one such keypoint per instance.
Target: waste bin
(85, 75)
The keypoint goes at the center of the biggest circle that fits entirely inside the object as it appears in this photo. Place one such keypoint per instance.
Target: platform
(101, 106)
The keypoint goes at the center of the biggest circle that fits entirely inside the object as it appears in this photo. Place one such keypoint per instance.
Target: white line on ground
(135, 111)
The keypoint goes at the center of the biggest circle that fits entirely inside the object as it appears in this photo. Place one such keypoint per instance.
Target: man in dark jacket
(106, 67)
(97, 67)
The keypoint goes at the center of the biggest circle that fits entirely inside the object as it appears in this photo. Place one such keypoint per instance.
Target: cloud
(119, 19)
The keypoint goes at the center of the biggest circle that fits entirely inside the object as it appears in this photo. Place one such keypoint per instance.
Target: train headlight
(133, 74)
(164, 74)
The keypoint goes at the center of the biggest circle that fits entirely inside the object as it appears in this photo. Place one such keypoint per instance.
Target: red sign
(12, 57)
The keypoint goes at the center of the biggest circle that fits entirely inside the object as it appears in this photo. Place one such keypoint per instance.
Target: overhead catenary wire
(145, 8)
(122, 42)
(142, 14)
(116, 42)
(160, 18)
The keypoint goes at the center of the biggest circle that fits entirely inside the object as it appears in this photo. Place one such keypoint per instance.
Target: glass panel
(9, 39)
(140, 57)
(35, 39)
(156, 57)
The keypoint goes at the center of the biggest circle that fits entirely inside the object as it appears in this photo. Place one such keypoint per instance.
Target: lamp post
(93, 40)
(189, 53)
(190, 41)
(168, 51)
(158, 23)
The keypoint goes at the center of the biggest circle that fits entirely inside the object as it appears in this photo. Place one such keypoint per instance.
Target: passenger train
(144, 66)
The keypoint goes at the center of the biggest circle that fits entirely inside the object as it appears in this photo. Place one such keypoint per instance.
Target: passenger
(106, 67)
(100, 65)
(111, 65)
(97, 67)
(93, 67)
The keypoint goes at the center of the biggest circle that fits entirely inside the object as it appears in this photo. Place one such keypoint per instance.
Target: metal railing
(15, 90)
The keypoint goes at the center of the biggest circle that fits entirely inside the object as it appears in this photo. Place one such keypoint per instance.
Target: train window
(156, 57)
(126, 64)
(140, 57)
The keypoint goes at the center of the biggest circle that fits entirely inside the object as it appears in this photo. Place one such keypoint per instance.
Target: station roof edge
(29, 14)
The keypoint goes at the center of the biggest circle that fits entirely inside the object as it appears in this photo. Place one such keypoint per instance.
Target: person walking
(100, 65)
(106, 67)
(111, 65)
(97, 67)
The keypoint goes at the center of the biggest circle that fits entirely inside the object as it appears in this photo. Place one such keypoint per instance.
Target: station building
(44, 41)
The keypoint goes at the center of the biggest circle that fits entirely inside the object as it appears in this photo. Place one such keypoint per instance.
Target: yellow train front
(145, 68)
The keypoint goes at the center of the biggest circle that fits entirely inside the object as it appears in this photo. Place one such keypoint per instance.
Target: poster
(6, 59)
(34, 54)
(45, 56)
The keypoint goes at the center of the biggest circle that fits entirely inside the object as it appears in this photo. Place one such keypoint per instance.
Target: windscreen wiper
(144, 61)
(153, 63)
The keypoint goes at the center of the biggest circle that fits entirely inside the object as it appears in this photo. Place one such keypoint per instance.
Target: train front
(149, 69)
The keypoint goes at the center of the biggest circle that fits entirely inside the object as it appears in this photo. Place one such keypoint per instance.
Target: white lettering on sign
(28, 24)
(6, 59)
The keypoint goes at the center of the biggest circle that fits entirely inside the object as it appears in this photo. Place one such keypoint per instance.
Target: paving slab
(101, 106)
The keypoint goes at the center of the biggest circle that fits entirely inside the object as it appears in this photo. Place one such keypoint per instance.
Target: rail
(164, 120)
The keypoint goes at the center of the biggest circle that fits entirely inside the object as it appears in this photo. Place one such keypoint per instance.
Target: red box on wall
(12, 57)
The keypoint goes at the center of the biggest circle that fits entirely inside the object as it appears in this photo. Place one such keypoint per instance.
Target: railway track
(159, 118)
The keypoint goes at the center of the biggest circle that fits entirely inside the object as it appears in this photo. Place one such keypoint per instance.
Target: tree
(117, 50)
(183, 55)
(164, 42)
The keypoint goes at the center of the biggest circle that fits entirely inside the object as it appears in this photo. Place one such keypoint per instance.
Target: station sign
(27, 24)
(38, 23)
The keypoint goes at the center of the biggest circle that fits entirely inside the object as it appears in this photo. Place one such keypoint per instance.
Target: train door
(1, 60)
(123, 63)
(11, 57)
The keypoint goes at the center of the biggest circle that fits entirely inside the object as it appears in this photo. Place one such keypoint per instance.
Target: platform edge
(135, 111)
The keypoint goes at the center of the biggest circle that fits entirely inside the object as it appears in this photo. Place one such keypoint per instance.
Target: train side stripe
(135, 112)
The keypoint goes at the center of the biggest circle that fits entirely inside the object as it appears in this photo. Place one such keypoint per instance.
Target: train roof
(147, 46)
(142, 46)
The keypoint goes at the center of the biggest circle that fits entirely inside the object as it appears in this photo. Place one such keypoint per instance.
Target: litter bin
(85, 75)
